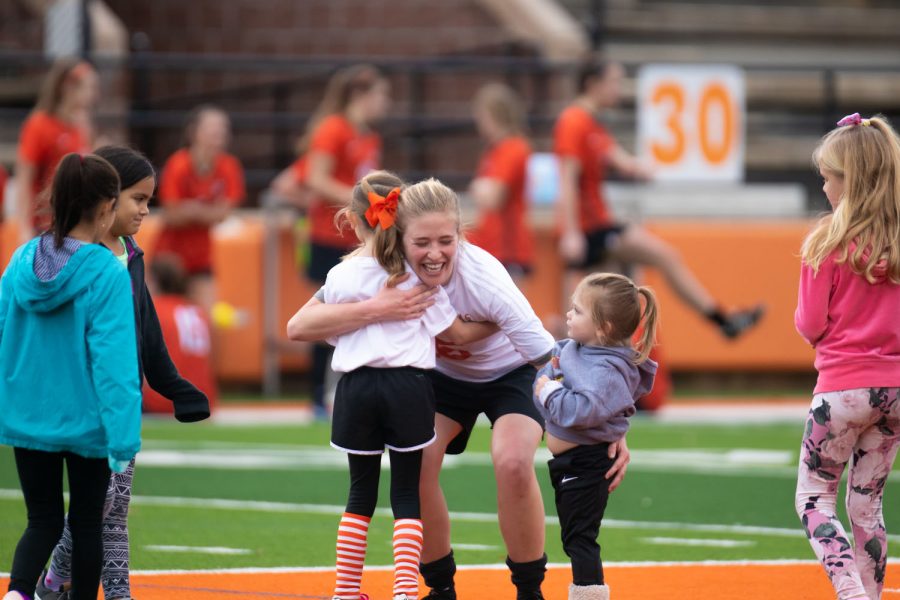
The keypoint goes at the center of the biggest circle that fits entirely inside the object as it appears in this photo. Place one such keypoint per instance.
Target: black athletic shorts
(322, 259)
(463, 401)
(598, 244)
(376, 409)
(517, 269)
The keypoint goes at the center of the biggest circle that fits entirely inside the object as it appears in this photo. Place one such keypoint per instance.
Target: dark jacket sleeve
(190, 403)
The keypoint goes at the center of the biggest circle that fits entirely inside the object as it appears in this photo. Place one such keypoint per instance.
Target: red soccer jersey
(578, 135)
(299, 169)
(186, 333)
(179, 182)
(354, 154)
(505, 232)
(3, 177)
(43, 142)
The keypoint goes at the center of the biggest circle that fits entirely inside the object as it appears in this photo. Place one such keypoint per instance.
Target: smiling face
(833, 187)
(580, 325)
(133, 207)
(430, 241)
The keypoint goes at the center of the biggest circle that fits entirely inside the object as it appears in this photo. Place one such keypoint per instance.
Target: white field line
(725, 461)
(200, 549)
(475, 546)
(498, 567)
(725, 412)
(669, 541)
(474, 517)
(733, 413)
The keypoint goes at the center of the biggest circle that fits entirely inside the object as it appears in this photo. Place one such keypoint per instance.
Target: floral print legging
(862, 424)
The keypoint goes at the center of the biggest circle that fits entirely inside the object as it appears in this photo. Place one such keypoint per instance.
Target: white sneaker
(402, 597)
(13, 596)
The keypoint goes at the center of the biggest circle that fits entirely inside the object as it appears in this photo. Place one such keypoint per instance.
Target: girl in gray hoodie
(586, 394)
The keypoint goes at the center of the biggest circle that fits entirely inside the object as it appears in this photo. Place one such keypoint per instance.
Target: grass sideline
(274, 492)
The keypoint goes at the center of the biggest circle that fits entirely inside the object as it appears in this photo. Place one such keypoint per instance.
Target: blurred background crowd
(260, 115)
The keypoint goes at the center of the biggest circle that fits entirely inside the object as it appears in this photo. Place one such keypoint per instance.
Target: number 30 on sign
(691, 122)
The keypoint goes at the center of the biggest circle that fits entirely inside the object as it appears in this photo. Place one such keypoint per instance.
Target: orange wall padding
(741, 263)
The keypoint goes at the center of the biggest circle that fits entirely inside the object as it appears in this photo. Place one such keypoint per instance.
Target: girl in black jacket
(138, 181)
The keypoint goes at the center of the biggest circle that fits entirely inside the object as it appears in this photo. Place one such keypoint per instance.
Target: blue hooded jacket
(68, 356)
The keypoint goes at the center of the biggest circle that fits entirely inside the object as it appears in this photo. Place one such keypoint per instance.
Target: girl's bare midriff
(557, 446)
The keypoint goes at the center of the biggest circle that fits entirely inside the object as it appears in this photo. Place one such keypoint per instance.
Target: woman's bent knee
(514, 471)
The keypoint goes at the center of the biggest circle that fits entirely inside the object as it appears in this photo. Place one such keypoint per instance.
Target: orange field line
(654, 582)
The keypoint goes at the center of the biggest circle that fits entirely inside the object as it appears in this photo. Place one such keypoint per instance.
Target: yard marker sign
(691, 121)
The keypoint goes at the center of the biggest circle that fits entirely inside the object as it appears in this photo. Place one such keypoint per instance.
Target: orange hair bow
(383, 209)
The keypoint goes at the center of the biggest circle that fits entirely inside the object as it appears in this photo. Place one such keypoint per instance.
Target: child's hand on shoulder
(540, 383)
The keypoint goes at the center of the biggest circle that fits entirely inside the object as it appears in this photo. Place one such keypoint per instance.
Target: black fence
(270, 98)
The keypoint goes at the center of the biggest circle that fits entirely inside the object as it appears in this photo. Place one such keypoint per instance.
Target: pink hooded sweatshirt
(854, 325)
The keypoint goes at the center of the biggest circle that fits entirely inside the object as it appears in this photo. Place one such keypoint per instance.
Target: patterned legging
(115, 539)
(862, 424)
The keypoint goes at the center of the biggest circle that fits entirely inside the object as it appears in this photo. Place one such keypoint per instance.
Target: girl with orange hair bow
(384, 400)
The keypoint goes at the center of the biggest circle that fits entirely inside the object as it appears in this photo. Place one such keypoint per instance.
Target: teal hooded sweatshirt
(68, 355)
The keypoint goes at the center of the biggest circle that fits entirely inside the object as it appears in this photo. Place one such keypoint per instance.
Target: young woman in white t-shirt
(384, 399)
(492, 376)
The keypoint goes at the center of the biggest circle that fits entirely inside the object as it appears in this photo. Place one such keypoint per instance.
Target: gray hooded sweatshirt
(592, 393)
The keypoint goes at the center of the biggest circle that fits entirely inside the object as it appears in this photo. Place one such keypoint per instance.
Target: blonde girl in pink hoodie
(849, 310)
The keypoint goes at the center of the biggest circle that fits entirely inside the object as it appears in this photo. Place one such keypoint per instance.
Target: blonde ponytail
(650, 321)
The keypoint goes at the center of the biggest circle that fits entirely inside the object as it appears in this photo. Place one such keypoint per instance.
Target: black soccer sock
(527, 576)
(438, 574)
(717, 316)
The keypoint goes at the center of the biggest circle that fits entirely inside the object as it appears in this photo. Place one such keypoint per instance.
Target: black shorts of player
(517, 269)
(376, 409)
(598, 242)
(581, 493)
(463, 401)
(322, 259)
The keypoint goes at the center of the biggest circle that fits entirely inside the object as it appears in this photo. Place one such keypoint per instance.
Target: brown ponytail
(80, 185)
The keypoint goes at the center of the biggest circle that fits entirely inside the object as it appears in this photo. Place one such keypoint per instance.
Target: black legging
(41, 477)
(365, 470)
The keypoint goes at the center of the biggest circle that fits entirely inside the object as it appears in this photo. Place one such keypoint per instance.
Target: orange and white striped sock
(351, 554)
(407, 551)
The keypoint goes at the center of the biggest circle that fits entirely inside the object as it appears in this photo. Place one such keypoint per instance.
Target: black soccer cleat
(740, 321)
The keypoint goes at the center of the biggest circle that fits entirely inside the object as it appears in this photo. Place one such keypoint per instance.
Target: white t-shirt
(480, 289)
(390, 344)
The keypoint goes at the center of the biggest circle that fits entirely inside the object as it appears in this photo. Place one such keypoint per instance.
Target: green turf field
(270, 496)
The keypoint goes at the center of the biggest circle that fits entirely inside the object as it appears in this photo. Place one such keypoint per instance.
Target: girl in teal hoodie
(69, 386)
(138, 181)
